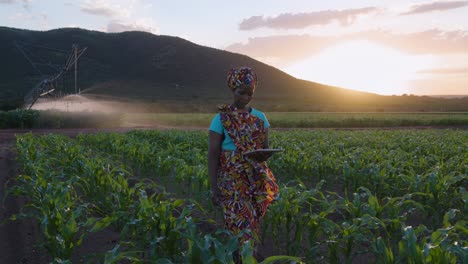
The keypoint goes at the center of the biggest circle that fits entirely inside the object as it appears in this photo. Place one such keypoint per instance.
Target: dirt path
(17, 238)
(9, 232)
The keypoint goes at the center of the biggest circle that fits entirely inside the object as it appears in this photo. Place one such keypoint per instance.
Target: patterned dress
(247, 186)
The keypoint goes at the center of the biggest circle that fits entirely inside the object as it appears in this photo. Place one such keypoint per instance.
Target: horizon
(395, 48)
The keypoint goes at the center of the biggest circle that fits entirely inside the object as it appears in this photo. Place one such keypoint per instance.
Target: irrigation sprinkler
(49, 83)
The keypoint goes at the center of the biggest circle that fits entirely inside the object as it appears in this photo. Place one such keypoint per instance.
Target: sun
(361, 65)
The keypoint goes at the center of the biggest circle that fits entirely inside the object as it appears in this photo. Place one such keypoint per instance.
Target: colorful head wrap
(241, 75)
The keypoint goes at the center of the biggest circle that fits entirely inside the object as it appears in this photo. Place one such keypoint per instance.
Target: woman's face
(243, 95)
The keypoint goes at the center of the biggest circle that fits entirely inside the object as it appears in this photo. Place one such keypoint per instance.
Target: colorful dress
(247, 186)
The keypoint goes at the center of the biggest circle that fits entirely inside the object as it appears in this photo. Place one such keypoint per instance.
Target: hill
(162, 70)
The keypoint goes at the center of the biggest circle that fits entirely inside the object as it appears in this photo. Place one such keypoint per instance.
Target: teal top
(217, 126)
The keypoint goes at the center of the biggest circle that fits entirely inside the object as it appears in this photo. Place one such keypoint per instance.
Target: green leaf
(178, 203)
(103, 223)
(274, 259)
(164, 261)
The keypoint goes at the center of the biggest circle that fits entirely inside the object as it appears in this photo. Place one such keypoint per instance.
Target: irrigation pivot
(49, 82)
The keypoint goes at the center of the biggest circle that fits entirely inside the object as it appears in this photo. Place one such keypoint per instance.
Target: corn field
(371, 196)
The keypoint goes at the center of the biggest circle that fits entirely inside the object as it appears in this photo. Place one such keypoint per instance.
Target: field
(25, 119)
(308, 119)
(365, 196)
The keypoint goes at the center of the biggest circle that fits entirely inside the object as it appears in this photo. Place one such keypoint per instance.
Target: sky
(386, 47)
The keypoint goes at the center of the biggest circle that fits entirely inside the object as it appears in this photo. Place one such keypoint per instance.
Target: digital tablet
(262, 151)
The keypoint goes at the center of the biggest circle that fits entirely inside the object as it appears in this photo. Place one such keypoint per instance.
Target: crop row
(74, 191)
(373, 196)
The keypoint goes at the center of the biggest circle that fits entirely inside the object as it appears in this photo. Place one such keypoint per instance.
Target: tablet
(262, 151)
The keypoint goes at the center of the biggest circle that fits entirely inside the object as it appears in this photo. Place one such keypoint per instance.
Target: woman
(242, 184)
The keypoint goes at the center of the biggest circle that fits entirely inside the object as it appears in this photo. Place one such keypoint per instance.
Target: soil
(19, 239)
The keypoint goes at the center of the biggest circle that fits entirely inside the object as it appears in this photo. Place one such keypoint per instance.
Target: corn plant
(343, 194)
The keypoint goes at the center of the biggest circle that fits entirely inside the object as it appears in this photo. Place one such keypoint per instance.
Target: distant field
(26, 119)
(308, 119)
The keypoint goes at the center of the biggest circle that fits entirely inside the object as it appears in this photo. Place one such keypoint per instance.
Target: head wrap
(241, 75)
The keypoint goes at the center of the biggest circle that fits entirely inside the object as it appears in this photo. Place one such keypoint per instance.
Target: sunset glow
(364, 66)
(386, 47)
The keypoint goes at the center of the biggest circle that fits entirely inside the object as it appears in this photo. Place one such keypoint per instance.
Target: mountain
(151, 69)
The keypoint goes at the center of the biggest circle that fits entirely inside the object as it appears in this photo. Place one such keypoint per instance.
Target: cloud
(435, 6)
(42, 19)
(272, 48)
(432, 41)
(103, 8)
(434, 86)
(25, 3)
(140, 25)
(303, 20)
(443, 71)
(121, 19)
(20, 17)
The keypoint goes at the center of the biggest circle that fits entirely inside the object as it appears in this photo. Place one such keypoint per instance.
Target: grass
(307, 119)
(25, 119)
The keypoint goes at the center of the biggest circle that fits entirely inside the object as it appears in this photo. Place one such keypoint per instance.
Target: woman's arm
(214, 149)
